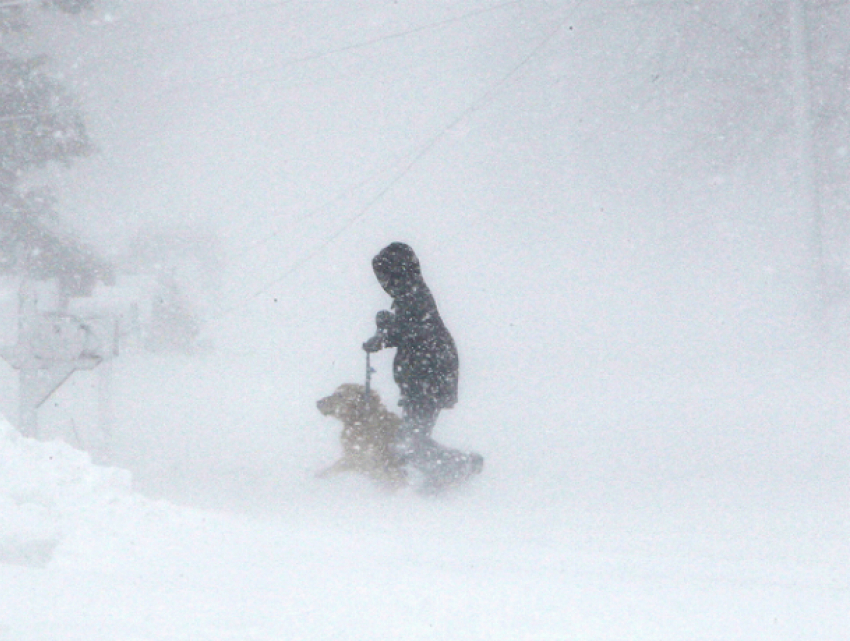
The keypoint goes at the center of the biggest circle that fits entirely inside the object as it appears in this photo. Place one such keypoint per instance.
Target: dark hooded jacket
(426, 363)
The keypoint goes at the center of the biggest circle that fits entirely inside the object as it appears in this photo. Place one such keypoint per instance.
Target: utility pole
(808, 197)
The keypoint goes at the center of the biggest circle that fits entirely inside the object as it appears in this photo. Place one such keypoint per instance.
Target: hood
(397, 269)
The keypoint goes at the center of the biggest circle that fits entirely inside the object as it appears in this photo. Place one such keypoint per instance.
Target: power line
(343, 49)
(179, 25)
(16, 3)
(276, 233)
(38, 114)
(223, 16)
(476, 105)
(310, 212)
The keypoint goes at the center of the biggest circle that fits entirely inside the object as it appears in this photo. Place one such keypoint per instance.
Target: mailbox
(52, 346)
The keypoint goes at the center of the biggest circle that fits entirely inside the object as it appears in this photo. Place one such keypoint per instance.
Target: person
(425, 368)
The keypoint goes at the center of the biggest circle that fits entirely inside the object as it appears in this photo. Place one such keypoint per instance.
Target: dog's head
(348, 403)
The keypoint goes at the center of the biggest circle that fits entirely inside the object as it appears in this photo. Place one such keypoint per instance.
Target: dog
(369, 431)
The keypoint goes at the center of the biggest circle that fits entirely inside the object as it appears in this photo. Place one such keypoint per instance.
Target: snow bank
(55, 504)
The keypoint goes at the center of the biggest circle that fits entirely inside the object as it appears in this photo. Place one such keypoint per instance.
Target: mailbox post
(52, 346)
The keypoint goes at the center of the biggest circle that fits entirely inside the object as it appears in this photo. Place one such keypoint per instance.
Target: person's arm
(386, 335)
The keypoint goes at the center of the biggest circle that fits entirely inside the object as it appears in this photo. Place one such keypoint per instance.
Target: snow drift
(57, 505)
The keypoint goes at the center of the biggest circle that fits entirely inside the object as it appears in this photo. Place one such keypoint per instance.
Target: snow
(666, 444)
(532, 549)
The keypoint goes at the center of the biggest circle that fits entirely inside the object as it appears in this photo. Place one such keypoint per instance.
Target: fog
(308, 140)
(611, 231)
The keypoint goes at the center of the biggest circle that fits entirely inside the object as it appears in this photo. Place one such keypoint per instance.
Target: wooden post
(27, 312)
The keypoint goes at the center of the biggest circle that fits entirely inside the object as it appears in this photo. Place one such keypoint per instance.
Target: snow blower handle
(369, 371)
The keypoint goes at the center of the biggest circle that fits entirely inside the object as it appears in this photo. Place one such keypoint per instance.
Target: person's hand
(373, 344)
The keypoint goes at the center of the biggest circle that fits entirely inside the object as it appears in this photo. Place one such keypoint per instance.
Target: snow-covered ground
(563, 537)
(665, 457)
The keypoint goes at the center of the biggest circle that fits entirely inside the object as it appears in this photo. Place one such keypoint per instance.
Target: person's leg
(418, 420)
(420, 417)
(437, 466)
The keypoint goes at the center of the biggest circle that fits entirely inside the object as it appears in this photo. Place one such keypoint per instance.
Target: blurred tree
(829, 73)
(731, 85)
(187, 263)
(38, 119)
(174, 325)
(72, 6)
(39, 123)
